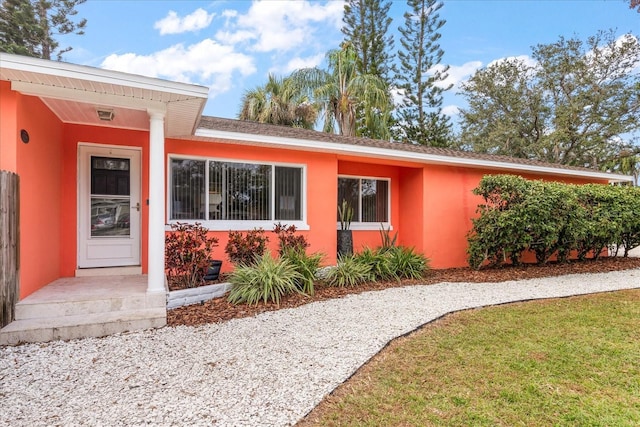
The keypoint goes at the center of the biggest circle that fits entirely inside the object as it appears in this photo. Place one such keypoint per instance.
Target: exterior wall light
(105, 115)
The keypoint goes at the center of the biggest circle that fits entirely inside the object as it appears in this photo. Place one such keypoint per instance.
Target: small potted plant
(345, 236)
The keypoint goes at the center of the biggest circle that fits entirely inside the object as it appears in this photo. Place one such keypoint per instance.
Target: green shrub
(306, 265)
(348, 272)
(630, 236)
(268, 279)
(246, 248)
(550, 218)
(407, 264)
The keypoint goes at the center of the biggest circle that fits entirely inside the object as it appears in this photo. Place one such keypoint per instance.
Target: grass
(570, 361)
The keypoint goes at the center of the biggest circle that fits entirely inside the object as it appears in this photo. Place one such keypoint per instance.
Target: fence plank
(9, 246)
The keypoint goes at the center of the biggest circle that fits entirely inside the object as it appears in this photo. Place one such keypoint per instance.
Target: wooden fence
(9, 246)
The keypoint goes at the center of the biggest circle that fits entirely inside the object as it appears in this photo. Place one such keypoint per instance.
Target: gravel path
(268, 370)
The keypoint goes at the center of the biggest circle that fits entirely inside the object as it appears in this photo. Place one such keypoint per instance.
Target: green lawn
(571, 361)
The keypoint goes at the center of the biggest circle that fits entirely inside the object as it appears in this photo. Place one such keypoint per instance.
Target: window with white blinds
(232, 191)
(369, 198)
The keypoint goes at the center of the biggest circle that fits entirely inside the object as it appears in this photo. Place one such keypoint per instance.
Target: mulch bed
(219, 310)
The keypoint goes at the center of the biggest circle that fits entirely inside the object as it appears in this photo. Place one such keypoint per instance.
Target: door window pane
(109, 217)
(109, 176)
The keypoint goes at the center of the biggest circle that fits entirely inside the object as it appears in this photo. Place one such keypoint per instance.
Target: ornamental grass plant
(379, 262)
(348, 272)
(267, 280)
(306, 265)
(406, 263)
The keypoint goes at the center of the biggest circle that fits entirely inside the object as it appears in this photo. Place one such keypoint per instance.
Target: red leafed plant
(187, 254)
(288, 238)
(246, 248)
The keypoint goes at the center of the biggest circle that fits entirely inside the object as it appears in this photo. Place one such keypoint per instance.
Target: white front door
(108, 206)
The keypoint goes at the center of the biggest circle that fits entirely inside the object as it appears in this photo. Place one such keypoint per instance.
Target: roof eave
(387, 153)
(81, 72)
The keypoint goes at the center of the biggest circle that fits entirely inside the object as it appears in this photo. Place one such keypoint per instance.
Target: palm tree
(627, 162)
(343, 95)
(630, 165)
(278, 102)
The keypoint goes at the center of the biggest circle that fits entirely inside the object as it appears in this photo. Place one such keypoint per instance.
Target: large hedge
(551, 218)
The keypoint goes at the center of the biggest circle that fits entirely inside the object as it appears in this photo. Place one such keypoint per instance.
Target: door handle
(138, 206)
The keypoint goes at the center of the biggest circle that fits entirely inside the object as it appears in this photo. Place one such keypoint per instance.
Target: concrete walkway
(268, 370)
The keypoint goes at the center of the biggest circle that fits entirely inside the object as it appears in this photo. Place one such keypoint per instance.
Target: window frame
(357, 224)
(238, 225)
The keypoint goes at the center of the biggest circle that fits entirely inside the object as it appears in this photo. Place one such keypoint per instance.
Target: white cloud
(298, 63)
(526, 59)
(206, 62)
(230, 13)
(234, 37)
(280, 25)
(173, 24)
(457, 73)
(451, 110)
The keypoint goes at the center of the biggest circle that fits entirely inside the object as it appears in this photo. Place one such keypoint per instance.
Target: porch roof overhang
(231, 131)
(74, 93)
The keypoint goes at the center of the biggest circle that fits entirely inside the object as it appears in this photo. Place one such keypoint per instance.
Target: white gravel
(268, 370)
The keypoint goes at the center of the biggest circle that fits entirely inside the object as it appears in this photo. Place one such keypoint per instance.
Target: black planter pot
(213, 272)
(345, 242)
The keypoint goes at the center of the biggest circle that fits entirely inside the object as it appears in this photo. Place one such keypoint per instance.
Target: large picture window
(369, 198)
(232, 191)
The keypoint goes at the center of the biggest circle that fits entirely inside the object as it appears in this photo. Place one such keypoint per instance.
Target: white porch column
(155, 280)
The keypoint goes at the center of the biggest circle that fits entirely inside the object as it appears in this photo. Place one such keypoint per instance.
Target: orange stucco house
(107, 160)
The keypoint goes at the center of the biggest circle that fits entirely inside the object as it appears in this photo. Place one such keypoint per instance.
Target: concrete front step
(38, 309)
(81, 326)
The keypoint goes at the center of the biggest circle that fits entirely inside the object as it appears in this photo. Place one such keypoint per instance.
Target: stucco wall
(39, 167)
(9, 133)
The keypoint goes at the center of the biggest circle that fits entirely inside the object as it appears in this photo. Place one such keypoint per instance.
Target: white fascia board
(357, 150)
(82, 72)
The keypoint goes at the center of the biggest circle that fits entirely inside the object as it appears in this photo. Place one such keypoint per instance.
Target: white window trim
(367, 226)
(237, 225)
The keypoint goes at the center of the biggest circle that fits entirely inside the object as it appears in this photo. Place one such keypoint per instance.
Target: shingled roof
(242, 130)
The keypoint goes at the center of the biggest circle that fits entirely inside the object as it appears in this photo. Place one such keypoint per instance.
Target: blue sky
(231, 46)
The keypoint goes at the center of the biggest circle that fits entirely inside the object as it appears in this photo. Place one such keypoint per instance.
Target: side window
(368, 197)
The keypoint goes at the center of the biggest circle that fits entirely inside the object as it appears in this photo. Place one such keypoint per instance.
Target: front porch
(78, 307)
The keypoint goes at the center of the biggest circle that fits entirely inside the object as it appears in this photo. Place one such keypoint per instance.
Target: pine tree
(30, 27)
(420, 119)
(366, 23)
(54, 17)
(19, 29)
